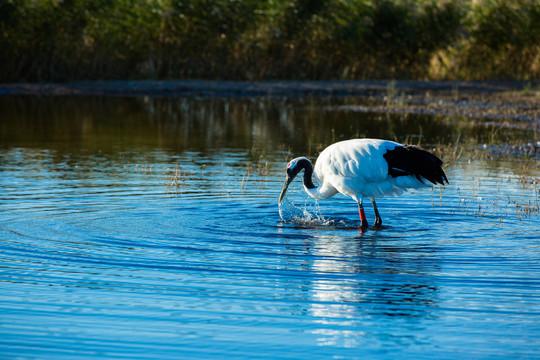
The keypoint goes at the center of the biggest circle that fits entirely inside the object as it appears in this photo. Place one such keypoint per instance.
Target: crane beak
(288, 181)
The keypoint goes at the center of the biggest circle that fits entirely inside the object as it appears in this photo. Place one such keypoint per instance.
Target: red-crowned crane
(367, 168)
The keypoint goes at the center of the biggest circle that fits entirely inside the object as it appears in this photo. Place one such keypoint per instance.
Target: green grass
(63, 40)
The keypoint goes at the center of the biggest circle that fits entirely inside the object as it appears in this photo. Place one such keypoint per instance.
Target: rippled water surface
(147, 228)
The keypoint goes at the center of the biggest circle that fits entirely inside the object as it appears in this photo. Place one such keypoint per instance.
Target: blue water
(167, 247)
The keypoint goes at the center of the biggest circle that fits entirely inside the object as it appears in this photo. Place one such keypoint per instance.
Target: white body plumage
(357, 168)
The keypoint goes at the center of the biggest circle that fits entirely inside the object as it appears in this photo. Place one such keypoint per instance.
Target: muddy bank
(288, 88)
(496, 100)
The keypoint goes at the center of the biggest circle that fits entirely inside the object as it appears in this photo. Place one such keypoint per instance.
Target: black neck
(308, 173)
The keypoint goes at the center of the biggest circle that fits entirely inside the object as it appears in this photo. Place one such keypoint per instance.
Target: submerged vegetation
(61, 40)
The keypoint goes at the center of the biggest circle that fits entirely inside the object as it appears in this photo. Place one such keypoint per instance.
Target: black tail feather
(410, 160)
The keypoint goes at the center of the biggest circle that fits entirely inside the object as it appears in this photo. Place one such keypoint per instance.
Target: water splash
(309, 214)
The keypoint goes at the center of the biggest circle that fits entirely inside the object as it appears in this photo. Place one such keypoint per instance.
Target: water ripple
(101, 257)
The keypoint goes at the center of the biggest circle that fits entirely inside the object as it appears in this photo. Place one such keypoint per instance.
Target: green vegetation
(62, 40)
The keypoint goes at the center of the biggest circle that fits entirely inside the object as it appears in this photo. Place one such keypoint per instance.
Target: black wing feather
(410, 160)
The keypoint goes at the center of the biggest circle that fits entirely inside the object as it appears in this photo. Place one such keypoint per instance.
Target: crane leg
(378, 220)
(363, 219)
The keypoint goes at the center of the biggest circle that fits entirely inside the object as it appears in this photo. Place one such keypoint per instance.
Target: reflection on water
(149, 228)
(112, 125)
(366, 288)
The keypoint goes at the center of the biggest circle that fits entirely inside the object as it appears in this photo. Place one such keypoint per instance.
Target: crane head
(293, 168)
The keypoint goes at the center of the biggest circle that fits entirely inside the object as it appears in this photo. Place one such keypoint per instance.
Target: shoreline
(281, 88)
(516, 101)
